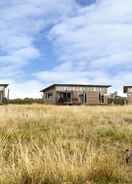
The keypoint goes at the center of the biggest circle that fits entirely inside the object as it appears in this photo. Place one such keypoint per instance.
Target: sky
(64, 41)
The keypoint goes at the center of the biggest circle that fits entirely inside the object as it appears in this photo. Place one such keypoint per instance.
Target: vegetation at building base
(116, 100)
(65, 144)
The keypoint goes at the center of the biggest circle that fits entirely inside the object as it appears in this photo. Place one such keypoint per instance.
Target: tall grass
(64, 145)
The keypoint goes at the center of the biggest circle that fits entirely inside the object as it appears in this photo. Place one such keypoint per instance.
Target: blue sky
(68, 41)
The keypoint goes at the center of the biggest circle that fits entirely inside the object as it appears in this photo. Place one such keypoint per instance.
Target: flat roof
(74, 85)
(5, 85)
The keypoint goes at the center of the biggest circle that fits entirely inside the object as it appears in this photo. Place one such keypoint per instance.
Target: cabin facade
(128, 91)
(76, 94)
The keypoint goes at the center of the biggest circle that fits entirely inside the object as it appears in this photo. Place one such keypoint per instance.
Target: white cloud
(20, 23)
(97, 42)
(93, 43)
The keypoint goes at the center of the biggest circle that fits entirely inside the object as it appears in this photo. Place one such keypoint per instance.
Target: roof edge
(4, 84)
(76, 85)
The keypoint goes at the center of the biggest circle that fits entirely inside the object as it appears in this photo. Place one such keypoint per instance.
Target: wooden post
(71, 96)
(8, 94)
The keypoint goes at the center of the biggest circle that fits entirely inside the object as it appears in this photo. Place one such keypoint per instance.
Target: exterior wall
(129, 95)
(79, 95)
(2, 88)
(76, 97)
(1, 96)
(105, 99)
(52, 99)
(129, 90)
(92, 98)
(129, 98)
(2, 93)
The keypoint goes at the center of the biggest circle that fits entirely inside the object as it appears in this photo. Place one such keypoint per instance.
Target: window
(67, 97)
(50, 95)
(46, 96)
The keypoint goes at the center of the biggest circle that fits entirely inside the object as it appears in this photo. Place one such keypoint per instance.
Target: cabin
(128, 91)
(3, 96)
(76, 94)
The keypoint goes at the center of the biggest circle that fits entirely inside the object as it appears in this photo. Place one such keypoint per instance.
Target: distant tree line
(26, 101)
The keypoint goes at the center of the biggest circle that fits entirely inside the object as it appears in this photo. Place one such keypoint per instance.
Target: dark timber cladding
(76, 94)
(128, 90)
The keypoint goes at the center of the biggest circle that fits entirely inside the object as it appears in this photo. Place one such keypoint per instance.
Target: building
(128, 91)
(3, 96)
(76, 94)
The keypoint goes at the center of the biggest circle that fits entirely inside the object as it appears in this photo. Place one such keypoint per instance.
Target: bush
(117, 100)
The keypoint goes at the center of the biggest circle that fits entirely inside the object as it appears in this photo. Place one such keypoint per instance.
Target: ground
(42, 144)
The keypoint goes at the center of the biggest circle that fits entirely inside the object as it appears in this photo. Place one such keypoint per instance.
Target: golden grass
(65, 145)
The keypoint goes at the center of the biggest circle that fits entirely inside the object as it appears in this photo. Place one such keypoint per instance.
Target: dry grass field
(65, 145)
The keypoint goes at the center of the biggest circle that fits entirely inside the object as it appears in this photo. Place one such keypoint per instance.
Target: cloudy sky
(64, 41)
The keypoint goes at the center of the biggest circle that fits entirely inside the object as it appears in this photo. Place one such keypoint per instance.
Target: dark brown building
(128, 90)
(76, 94)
